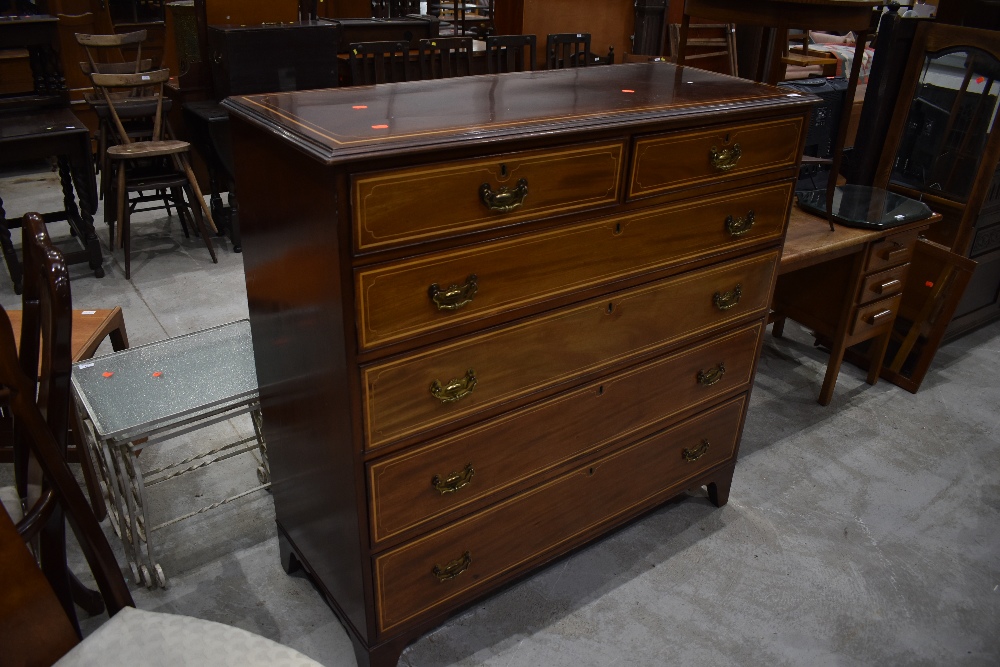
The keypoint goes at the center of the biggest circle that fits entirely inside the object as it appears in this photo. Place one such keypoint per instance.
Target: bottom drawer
(451, 564)
(875, 315)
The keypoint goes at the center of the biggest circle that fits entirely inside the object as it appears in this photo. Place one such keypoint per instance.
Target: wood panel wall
(609, 22)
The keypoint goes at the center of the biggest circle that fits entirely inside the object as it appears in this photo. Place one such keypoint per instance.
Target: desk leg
(879, 346)
(839, 342)
(9, 254)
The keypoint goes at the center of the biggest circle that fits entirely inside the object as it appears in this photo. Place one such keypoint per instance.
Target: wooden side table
(58, 133)
(140, 397)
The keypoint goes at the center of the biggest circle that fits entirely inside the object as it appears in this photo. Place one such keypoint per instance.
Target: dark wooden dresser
(496, 317)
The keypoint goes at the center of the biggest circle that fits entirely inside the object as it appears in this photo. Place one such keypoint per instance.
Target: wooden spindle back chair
(175, 172)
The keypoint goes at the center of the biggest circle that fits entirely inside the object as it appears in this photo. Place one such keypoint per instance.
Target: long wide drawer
(411, 394)
(409, 298)
(426, 482)
(456, 560)
(679, 160)
(424, 203)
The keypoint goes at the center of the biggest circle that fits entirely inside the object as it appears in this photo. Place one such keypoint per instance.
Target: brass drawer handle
(739, 226)
(504, 200)
(888, 285)
(691, 455)
(725, 159)
(454, 296)
(710, 377)
(454, 568)
(727, 300)
(454, 481)
(456, 389)
(878, 316)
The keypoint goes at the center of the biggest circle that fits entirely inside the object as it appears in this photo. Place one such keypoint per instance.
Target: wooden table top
(88, 325)
(809, 240)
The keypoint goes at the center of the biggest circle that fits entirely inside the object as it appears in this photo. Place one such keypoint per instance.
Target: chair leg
(125, 233)
(182, 210)
(200, 220)
(182, 159)
(122, 208)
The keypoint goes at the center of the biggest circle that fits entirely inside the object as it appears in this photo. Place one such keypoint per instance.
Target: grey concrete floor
(865, 532)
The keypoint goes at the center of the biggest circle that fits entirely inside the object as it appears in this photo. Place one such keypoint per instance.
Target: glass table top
(865, 207)
(154, 385)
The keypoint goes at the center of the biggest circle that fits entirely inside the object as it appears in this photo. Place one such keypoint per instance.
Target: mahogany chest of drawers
(496, 317)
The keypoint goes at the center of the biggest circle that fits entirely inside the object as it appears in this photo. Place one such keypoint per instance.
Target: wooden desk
(846, 285)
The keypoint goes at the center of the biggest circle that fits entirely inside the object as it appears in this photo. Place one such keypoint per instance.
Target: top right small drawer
(668, 162)
(891, 251)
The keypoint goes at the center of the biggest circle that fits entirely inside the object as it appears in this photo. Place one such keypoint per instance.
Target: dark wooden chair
(379, 62)
(567, 50)
(44, 638)
(510, 53)
(46, 344)
(445, 57)
(157, 164)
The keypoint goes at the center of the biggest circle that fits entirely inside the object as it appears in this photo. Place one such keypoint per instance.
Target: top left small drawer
(420, 204)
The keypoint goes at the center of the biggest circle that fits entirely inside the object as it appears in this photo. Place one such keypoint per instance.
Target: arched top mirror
(951, 114)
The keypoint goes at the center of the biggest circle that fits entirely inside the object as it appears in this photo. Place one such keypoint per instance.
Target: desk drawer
(875, 316)
(411, 580)
(675, 161)
(883, 284)
(431, 202)
(891, 251)
(502, 452)
(484, 370)
(396, 301)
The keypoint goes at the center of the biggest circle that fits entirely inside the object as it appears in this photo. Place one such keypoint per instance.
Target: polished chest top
(337, 124)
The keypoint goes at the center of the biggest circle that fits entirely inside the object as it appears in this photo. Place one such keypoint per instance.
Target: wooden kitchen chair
(445, 57)
(507, 53)
(156, 164)
(379, 62)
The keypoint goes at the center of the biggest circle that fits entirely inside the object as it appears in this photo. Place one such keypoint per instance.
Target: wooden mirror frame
(933, 37)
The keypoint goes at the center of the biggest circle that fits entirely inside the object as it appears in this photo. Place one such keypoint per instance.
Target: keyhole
(611, 308)
(591, 471)
(503, 170)
(726, 139)
(618, 228)
(600, 390)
